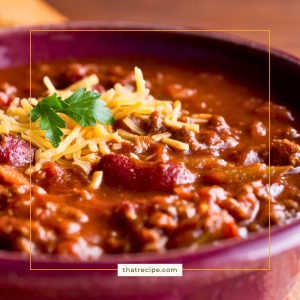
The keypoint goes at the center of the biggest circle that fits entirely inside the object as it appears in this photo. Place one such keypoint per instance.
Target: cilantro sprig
(84, 107)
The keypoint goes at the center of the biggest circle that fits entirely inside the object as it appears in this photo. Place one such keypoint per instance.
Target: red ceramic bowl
(239, 260)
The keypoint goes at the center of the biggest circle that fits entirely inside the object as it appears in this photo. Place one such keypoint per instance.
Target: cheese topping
(84, 146)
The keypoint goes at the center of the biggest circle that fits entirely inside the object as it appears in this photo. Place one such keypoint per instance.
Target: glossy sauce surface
(229, 158)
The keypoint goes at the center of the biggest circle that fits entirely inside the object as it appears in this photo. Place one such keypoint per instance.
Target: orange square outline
(161, 30)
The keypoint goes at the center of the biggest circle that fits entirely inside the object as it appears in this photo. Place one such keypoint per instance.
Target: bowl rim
(223, 250)
(225, 35)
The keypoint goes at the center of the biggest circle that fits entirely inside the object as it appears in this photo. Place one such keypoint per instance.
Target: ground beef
(156, 123)
(179, 92)
(287, 133)
(278, 112)
(257, 129)
(283, 152)
(76, 71)
(188, 137)
(245, 157)
(218, 124)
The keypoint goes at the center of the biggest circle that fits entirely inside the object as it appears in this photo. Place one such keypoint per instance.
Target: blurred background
(281, 17)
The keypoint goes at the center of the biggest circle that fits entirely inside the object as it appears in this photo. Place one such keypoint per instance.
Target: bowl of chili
(222, 80)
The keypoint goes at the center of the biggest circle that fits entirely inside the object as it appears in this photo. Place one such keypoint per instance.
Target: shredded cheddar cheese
(83, 146)
(96, 180)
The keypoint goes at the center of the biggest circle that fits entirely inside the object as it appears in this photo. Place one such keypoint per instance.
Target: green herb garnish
(84, 107)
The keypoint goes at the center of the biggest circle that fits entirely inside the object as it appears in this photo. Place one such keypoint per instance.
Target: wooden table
(281, 17)
(29, 12)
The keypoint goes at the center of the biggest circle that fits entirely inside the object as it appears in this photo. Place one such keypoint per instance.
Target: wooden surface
(281, 17)
(295, 292)
(28, 12)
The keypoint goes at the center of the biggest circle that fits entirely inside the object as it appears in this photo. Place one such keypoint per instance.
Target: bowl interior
(243, 60)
